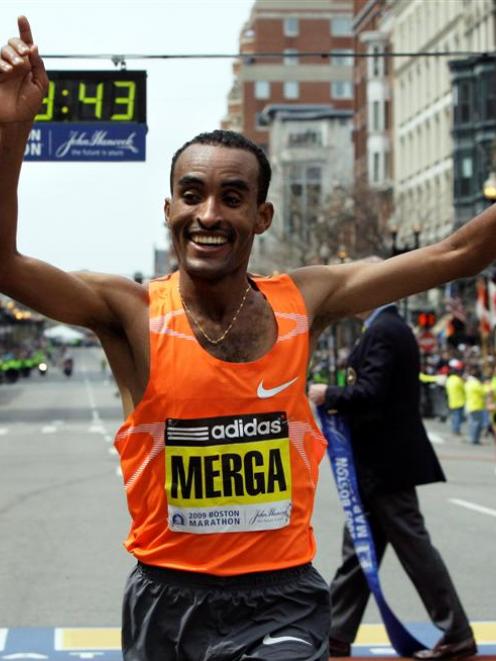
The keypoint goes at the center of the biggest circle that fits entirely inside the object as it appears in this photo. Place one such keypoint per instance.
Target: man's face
(213, 214)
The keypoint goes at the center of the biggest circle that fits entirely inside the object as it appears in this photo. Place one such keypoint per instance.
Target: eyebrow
(189, 180)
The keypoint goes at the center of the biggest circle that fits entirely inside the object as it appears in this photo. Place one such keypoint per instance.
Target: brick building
(289, 28)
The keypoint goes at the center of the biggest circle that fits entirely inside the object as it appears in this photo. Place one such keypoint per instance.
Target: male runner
(219, 450)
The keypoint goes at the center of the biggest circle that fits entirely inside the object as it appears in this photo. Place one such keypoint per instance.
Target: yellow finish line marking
(87, 638)
(375, 634)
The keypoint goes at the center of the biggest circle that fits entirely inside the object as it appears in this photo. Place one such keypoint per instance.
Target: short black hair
(231, 140)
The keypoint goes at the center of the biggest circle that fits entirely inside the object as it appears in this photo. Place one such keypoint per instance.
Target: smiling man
(219, 449)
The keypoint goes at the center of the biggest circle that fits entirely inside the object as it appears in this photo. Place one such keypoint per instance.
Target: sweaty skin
(214, 215)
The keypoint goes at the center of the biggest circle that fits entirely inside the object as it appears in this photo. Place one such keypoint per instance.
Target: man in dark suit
(392, 456)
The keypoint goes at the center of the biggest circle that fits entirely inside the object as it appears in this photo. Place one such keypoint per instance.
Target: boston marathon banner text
(105, 141)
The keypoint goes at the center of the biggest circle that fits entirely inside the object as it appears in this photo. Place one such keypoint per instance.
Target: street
(63, 514)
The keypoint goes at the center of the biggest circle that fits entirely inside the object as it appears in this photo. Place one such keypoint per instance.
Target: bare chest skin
(252, 336)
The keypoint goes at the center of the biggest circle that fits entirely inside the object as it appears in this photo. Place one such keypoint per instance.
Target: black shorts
(171, 615)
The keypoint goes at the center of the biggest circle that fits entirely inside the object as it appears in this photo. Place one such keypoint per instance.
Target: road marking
(473, 506)
(112, 450)
(91, 398)
(435, 438)
(3, 638)
(3, 431)
(48, 429)
(383, 651)
(87, 638)
(96, 429)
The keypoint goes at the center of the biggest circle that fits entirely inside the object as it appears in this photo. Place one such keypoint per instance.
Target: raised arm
(79, 298)
(342, 290)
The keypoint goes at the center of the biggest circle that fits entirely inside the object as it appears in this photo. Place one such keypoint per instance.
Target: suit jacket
(390, 444)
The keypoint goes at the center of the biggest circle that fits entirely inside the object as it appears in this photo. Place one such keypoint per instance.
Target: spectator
(476, 404)
(455, 390)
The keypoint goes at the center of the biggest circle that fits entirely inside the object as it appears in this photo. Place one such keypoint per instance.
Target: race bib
(228, 474)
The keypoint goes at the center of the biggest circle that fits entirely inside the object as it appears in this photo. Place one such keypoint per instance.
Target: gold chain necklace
(200, 327)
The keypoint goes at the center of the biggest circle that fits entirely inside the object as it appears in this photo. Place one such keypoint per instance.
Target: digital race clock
(91, 116)
(94, 96)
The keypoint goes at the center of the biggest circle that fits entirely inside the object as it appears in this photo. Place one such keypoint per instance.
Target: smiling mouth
(208, 239)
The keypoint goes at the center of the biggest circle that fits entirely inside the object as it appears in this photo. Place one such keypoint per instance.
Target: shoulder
(391, 326)
(123, 296)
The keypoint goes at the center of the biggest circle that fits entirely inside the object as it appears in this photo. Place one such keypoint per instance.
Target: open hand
(23, 79)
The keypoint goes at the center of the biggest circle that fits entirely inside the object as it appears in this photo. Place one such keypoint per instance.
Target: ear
(167, 204)
(264, 219)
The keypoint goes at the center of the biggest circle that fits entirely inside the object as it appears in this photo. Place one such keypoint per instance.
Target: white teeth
(203, 239)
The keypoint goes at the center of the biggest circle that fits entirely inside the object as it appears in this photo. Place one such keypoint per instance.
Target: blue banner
(93, 141)
(340, 453)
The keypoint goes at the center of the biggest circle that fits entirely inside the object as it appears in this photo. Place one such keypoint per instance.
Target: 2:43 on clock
(94, 96)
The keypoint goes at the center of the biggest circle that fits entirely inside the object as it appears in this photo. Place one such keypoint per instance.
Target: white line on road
(473, 506)
(383, 651)
(3, 638)
(90, 395)
(3, 431)
(96, 429)
(48, 429)
(435, 438)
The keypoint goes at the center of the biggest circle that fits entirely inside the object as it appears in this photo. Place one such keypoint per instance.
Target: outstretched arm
(78, 298)
(331, 292)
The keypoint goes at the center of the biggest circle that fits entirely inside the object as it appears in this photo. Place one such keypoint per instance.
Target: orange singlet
(219, 459)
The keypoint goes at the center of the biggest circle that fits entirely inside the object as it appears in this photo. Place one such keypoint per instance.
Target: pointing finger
(25, 30)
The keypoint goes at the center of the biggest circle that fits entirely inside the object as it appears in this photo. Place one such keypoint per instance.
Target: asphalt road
(63, 514)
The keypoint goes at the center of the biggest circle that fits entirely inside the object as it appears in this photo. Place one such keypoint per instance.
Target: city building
(312, 165)
(474, 134)
(372, 139)
(422, 106)
(289, 28)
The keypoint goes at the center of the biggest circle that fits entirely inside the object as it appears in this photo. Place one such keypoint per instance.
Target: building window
(463, 102)
(291, 27)
(376, 62)
(488, 95)
(387, 114)
(341, 89)
(375, 167)
(387, 165)
(291, 89)
(464, 169)
(341, 26)
(260, 123)
(376, 115)
(342, 57)
(303, 198)
(262, 89)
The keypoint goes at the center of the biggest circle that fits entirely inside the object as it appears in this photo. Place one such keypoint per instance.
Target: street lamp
(490, 186)
(399, 250)
(342, 254)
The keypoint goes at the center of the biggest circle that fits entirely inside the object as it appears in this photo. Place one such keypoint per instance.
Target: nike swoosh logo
(264, 393)
(269, 640)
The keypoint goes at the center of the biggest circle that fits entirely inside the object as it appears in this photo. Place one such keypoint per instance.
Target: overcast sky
(108, 216)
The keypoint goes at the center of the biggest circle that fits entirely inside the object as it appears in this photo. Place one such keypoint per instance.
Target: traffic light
(426, 319)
